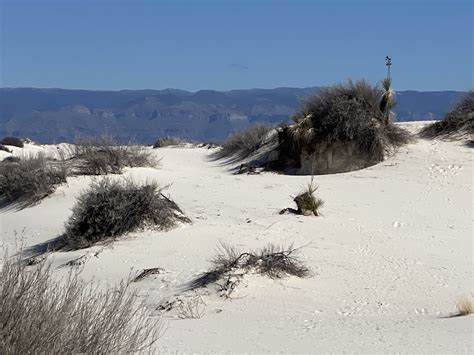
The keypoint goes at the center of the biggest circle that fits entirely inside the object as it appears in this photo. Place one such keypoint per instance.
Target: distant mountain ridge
(61, 115)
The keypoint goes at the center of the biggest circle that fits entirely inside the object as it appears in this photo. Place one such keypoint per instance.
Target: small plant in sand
(41, 315)
(229, 265)
(308, 204)
(111, 208)
(465, 306)
(28, 180)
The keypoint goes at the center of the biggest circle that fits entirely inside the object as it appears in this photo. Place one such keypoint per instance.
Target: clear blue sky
(211, 44)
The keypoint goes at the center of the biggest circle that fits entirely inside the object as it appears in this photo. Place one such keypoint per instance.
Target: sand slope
(391, 254)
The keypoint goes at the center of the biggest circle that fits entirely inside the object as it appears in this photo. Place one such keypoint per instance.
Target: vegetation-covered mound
(351, 119)
(111, 208)
(459, 121)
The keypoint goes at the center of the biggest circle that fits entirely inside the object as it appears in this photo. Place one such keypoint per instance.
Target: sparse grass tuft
(111, 208)
(28, 180)
(39, 315)
(245, 142)
(13, 141)
(102, 156)
(459, 121)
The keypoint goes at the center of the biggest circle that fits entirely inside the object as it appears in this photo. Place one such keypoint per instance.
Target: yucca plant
(388, 101)
(307, 202)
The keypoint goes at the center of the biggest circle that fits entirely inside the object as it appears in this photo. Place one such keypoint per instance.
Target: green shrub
(110, 208)
(307, 203)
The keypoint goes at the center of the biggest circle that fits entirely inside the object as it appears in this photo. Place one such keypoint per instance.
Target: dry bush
(351, 112)
(13, 141)
(191, 308)
(29, 179)
(459, 121)
(245, 142)
(307, 202)
(102, 156)
(5, 149)
(167, 142)
(39, 315)
(272, 261)
(111, 208)
(465, 306)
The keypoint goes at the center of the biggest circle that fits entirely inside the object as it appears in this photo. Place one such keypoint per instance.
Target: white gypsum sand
(391, 255)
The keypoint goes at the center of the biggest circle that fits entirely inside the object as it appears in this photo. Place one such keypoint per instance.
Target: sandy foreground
(391, 255)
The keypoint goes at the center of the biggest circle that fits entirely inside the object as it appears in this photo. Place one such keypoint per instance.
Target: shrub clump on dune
(13, 141)
(167, 142)
(245, 142)
(459, 121)
(39, 315)
(102, 156)
(30, 179)
(111, 208)
(341, 128)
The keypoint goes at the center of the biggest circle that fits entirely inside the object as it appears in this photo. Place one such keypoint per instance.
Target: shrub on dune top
(351, 115)
(111, 208)
(39, 315)
(459, 121)
(102, 156)
(245, 142)
(13, 141)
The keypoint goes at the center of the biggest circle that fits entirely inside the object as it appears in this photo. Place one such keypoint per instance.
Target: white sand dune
(391, 255)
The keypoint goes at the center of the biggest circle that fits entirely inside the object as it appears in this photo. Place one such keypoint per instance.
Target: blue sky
(211, 44)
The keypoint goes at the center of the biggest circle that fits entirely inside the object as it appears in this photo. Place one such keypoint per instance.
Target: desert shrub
(102, 156)
(14, 141)
(30, 179)
(465, 306)
(245, 142)
(11, 159)
(111, 208)
(351, 112)
(5, 149)
(167, 141)
(272, 261)
(459, 121)
(39, 315)
(307, 202)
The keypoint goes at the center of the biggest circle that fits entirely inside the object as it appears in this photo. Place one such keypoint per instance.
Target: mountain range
(60, 115)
